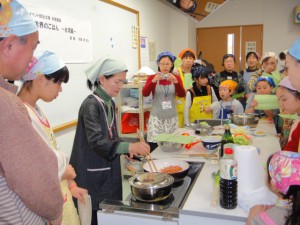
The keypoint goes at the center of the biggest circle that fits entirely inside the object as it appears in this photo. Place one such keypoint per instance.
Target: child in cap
(289, 101)
(227, 105)
(269, 64)
(199, 96)
(292, 63)
(187, 57)
(263, 86)
(284, 181)
(43, 81)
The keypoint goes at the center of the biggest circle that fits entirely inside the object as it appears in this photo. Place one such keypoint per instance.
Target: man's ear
(8, 43)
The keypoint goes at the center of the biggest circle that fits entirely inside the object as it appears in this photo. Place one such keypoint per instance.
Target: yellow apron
(180, 101)
(198, 105)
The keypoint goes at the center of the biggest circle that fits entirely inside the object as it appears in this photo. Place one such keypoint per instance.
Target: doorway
(215, 42)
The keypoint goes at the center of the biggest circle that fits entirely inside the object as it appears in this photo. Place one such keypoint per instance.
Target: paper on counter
(85, 210)
(266, 102)
(251, 178)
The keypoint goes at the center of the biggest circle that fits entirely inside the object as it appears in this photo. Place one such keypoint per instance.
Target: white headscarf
(104, 67)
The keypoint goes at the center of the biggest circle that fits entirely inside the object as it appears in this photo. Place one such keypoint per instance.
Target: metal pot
(151, 187)
(162, 163)
(245, 119)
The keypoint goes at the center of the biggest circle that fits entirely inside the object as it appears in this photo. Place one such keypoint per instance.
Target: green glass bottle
(227, 139)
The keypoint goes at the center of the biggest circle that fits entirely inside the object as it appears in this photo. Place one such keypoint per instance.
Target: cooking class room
(157, 112)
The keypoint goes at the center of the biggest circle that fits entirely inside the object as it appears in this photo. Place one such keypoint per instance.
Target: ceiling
(202, 10)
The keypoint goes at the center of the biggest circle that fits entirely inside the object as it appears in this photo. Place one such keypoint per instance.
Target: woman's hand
(76, 191)
(69, 173)
(254, 103)
(172, 78)
(157, 77)
(139, 148)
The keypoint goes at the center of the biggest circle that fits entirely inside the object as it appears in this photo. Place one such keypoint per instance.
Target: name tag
(166, 105)
(229, 77)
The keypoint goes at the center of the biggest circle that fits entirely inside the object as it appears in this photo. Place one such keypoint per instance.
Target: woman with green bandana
(97, 146)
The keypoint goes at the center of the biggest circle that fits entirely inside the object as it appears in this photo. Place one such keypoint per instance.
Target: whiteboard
(111, 35)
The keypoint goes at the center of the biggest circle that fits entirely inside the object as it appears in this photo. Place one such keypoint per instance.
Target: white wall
(169, 30)
(275, 15)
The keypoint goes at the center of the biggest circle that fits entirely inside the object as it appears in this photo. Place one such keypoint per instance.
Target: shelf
(141, 109)
(127, 109)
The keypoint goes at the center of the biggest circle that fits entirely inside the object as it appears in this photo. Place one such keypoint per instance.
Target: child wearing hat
(289, 101)
(292, 63)
(199, 96)
(227, 105)
(269, 64)
(293, 66)
(43, 81)
(263, 86)
(187, 57)
(284, 181)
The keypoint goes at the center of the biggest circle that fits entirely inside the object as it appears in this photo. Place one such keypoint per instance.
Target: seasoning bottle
(227, 139)
(228, 180)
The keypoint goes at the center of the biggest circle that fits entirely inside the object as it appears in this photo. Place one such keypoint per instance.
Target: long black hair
(293, 195)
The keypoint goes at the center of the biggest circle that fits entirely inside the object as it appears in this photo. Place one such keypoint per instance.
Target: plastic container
(228, 180)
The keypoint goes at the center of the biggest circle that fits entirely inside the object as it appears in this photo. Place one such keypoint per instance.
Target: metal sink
(211, 122)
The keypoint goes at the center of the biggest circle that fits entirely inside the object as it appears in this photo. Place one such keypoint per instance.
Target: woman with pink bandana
(284, 181)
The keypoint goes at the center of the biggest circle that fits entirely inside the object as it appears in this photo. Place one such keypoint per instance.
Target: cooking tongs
(148, 158)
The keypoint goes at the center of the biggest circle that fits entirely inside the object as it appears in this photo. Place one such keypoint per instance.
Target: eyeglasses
(165, 64)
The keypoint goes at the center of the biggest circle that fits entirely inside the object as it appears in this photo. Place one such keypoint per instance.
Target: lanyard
(165, 90)
(109, 126)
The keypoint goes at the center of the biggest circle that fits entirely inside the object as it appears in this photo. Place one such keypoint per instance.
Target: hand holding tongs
(148, 158)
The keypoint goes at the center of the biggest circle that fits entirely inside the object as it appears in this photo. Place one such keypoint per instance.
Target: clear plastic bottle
(228, 180)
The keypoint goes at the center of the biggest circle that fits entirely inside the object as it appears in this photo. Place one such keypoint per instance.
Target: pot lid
(151, 180)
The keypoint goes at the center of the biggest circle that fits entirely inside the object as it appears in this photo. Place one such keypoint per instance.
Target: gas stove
(170, 205)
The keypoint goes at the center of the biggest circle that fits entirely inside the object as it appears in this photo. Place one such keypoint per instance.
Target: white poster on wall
(68, 36)
(250, 46)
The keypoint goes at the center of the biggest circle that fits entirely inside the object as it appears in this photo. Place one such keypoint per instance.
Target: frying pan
(162, 163)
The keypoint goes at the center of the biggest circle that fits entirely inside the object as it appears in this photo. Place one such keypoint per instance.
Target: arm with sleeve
(27, 163)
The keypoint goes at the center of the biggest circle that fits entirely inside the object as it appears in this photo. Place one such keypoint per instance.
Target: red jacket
(150, 86)
(293, 144)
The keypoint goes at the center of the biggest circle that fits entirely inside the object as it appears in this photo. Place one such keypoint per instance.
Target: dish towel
(252, 189)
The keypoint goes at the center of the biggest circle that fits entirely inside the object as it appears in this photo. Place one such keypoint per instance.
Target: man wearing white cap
(29, 186)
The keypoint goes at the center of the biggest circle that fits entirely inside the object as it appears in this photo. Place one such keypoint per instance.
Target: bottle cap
(228, 151)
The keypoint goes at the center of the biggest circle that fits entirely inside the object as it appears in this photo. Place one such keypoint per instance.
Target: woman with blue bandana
(163, 86)
(29, 187)
(97, 146)
(43, 82)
